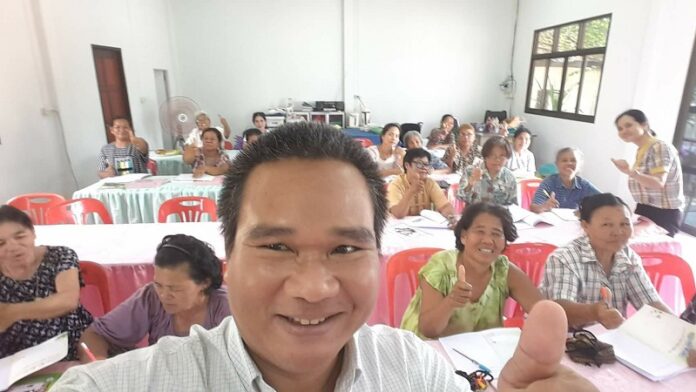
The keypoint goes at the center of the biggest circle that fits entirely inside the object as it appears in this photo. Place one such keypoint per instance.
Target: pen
(546, 193)
(88, 352)
(475, 362)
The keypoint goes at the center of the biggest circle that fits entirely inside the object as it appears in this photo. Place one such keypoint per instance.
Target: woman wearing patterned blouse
(209, 158)
(443, 137)
(39, 288)
(655, 179)
(465, 153)
(490, 181)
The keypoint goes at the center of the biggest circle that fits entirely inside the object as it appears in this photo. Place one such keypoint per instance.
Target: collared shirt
(499, 190)
(567, 197)
(377, 358)
(124, 160)
(658, 157)
(573, 273)
(524, 161)
(430, 195)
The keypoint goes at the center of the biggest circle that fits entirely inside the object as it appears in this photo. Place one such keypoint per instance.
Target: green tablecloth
(172, 165)
(140, 201)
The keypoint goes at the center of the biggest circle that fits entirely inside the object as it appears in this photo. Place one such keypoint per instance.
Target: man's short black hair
(413, 154)
(303, 140)
(251, 132)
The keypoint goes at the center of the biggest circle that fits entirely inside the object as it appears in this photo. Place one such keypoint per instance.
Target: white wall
(31, 154)
(417, 60)
(645, 67)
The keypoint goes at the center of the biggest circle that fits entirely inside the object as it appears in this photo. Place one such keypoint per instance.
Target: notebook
(653, 343)
(529, 218)
(27, 361)
(427, 219)
(491, 348)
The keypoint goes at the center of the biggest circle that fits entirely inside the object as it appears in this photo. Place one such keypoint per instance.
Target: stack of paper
(34, 358)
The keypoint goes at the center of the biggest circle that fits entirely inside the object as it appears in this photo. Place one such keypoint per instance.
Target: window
(685, 142)
(566, 69)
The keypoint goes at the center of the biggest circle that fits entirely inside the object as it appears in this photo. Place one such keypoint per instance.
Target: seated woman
(576, 273)
(210, 158)
(250, 136)
(39, 288)
(490, 181)
(259, 120)
(194, 138)
(185, 291)
(464, 290)
(443, 137)
(565, 189)
(412, 140)
(388, 155)
(522, 160)
(465, 152)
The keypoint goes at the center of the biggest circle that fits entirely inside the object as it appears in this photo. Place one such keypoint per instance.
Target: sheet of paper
(492, 348)
(188, 177)
(567, 214)
(126, 178)
(27, 361)
(518, 213)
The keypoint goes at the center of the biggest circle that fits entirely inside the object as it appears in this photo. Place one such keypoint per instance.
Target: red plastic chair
(95, 296)
(36, 204)
(365, 142)
(152, 167)
(458, 204)
(407, 262)
(528, 188)
(529, 257)
(77, 211)
(188, 208)
(228, 145)
(658, 265)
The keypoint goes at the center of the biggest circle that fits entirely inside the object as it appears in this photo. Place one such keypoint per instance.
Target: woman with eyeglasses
(185, 291)
(490, 181)
(414, 191)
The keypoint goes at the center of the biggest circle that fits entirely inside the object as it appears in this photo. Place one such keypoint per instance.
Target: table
(139, 201)
(127, 251)
(614, 377)
(172, 165)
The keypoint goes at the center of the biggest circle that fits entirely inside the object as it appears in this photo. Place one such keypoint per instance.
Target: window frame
(565, 55)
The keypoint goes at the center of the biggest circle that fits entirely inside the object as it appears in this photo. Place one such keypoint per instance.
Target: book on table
(554, 217)
(653, 343)
(491, 348)
(427, 219)
(29, 360)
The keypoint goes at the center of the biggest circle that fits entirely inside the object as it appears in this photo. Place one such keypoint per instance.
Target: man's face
(303, 270)
(121, 130)
(419, 168)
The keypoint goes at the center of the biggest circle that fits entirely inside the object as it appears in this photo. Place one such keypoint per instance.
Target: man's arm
(400, 209)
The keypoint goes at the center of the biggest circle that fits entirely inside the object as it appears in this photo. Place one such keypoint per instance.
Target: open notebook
(27, 361)
(554, 217)
(427, 219)
(491, 348)
(653, 343)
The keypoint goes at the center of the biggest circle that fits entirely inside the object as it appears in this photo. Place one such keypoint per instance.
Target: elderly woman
(259, 120)
(464, 290)
(388, 155)
(39, 288)
(202, 123)
(575, 274)
(210, 158)
(565, 189)
(441, 138)
(185, 291)
(465, 153)
(522, 160)
(655, 179)
(412, 140)
(490, 180)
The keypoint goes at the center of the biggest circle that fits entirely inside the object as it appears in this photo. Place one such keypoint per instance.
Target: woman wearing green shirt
(464, 290)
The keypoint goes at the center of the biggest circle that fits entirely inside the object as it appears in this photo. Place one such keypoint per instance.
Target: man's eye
(278, 247)
(345, 249)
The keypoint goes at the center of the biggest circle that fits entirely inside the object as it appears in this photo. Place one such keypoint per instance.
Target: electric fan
(177, 116)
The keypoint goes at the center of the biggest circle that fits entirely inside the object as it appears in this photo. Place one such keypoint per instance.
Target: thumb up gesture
(461, 291)
(608, 316)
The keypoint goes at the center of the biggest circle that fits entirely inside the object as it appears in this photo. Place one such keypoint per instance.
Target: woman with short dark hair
(210, 158)
(490, 181)
(186, 291)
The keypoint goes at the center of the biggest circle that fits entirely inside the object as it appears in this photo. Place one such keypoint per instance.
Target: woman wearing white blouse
(522, 160)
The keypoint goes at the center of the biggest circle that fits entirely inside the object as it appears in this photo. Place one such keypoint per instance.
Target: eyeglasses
(421, 165)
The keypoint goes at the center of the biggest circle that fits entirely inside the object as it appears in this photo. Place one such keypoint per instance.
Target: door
(111, 81)
(162, 91)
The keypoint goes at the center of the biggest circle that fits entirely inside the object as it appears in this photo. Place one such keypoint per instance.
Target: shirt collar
(575, 183)
(622, 262)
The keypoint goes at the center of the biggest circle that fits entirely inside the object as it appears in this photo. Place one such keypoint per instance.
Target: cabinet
(333, 118)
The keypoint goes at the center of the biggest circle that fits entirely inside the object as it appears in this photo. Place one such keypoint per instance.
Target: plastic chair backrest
(658, 265)
(188, 209)
(407, 262)
(228, 145)
(457, 203)
(365, 142)
(152, 167)
(95, 296)
(529, 257)
(77, 211)
(36, 204)
(528, 188)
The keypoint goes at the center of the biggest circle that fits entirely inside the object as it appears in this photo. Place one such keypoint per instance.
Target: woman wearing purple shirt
(185, 291)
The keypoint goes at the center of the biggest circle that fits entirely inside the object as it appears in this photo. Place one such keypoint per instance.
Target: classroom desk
(139, 202)
(127, 251)
(615, 377)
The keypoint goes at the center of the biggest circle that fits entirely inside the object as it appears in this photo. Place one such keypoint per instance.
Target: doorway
(111, 82)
